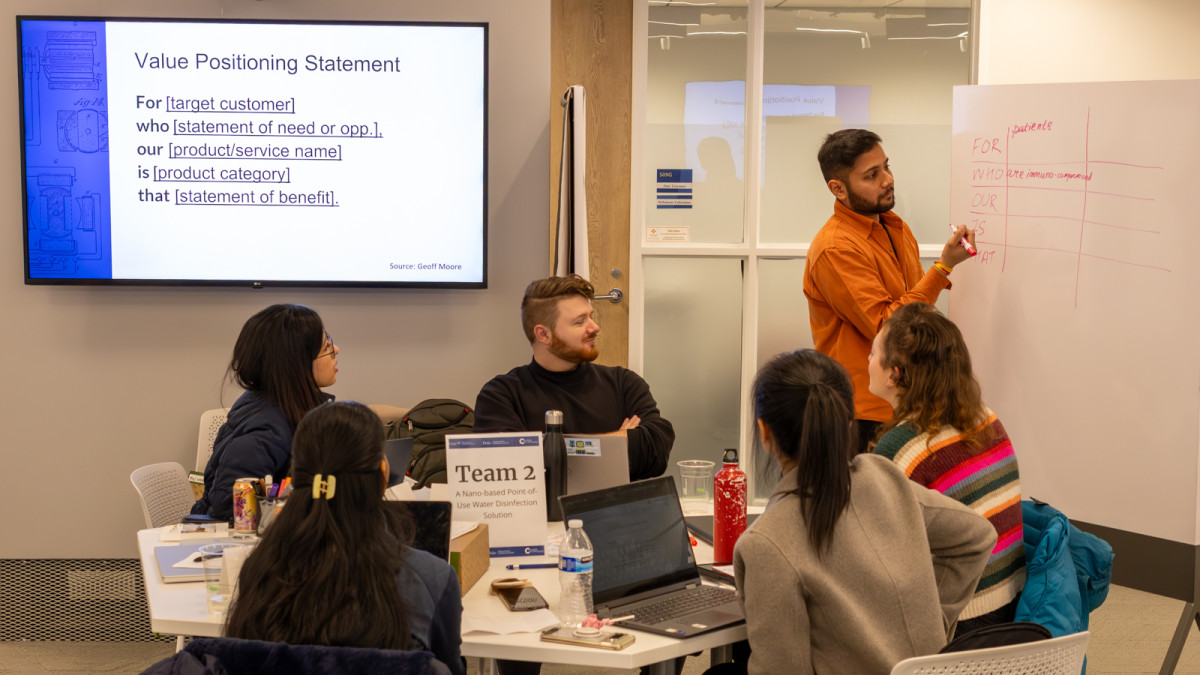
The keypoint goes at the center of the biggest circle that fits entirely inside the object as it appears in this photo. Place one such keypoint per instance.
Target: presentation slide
(246, 151)
(719, 109)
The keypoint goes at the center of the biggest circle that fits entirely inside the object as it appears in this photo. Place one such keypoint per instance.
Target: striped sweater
(984, 479)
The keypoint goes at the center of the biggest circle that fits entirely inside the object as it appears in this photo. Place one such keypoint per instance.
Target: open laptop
(432, 526)
(644, 561)
(399, 453)
(596, 462)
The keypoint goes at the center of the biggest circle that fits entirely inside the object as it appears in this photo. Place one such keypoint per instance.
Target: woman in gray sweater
(852, 567)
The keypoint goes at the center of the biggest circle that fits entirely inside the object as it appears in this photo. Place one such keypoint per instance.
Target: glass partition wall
(734, 99)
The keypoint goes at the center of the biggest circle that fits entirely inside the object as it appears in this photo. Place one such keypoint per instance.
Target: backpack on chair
(997, 635)
(428, 423)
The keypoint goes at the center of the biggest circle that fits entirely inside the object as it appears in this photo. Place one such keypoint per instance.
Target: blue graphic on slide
(65, 114)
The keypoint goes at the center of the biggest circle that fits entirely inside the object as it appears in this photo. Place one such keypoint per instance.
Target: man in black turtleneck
(595, 400)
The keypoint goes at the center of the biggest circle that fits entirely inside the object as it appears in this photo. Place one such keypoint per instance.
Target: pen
(535, 566)
(965, 243)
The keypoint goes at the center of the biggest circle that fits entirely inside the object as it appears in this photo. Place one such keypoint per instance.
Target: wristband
(942, 268)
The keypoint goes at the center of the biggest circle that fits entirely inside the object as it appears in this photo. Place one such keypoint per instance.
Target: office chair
(210, 424)
(1058, 656)
(264, 658)
(164, 491)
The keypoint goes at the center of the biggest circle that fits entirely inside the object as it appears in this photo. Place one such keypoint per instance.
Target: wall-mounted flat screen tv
(161, 151)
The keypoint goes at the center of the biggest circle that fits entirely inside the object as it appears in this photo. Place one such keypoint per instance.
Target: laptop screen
(638, 536)
(398, 452)
(431, 526)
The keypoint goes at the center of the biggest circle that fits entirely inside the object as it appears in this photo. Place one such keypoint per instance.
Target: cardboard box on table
(469, 556)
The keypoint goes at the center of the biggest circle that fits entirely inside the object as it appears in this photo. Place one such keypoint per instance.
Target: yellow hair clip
(324, 487)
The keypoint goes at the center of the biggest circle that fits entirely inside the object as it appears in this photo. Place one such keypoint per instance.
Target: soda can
(245, 506)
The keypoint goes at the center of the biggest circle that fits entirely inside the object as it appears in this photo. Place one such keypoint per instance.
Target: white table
(180, 609)
(657, 651)
(175, 609)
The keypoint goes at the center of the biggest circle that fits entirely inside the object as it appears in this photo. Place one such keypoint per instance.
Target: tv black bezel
(248, 283)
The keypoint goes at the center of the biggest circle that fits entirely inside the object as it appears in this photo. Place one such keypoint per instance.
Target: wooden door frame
(590, 45)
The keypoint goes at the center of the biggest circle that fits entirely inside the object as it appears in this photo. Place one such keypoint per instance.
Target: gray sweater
(877, 596)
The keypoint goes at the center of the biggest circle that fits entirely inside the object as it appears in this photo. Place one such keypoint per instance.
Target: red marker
(966, 243)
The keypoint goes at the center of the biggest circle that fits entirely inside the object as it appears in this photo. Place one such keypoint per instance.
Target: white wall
(1045, 41)
(100, 381)
(1032, 41)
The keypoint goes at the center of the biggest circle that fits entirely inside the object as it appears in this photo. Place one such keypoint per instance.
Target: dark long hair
(806, 400)
(936, 384)
(273, 357)
(325, 571)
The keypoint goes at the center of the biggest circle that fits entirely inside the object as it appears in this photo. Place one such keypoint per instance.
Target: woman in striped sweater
(945, 438)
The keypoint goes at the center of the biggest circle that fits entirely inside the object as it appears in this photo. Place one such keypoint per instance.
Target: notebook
(399, 453)
(596, 462)
(644, 561)
(169, 554)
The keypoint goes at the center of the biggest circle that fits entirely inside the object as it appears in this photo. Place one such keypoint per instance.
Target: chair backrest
(210, 424)
(1059, 656)
(165, 492)
(264, 658)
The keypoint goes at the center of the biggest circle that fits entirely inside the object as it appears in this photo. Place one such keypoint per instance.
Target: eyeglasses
(332, 348)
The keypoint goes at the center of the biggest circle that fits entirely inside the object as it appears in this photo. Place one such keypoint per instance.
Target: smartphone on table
(521, 598)
(601, 640)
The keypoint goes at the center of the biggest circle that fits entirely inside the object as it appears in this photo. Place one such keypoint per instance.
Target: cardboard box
(470, 557)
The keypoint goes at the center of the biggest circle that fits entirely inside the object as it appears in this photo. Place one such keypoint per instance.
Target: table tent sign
(498, 479)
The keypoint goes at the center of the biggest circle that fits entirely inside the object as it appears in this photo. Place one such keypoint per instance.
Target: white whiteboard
(1082, 310)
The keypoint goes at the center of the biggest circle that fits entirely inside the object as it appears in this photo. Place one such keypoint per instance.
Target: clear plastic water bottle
(574, 576)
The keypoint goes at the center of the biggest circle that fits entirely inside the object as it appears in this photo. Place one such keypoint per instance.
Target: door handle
(614, 295)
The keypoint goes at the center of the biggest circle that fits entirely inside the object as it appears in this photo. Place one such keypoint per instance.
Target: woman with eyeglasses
(282, 358)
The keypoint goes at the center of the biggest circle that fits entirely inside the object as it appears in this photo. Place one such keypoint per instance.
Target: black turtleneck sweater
(593, 399)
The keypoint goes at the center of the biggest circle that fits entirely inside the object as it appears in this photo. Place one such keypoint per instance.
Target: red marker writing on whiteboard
(966, 243)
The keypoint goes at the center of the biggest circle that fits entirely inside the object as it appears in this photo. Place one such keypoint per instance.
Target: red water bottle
(729, 507)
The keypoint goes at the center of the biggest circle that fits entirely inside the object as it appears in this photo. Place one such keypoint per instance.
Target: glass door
(731, 100)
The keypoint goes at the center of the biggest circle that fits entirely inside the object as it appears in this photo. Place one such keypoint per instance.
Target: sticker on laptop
(587, 447)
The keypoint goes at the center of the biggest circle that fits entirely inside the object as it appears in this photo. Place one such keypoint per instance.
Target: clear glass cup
(695, 486)
(222, 564)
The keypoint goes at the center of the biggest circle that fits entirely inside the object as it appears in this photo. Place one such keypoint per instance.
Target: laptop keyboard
(681, 604)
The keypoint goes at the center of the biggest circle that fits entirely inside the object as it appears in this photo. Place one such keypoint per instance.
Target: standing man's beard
(860, 205)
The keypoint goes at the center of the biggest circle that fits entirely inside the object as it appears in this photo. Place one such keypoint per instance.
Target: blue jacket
(255, 440)
(1068, 571)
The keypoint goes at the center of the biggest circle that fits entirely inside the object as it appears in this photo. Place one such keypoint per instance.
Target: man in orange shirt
(864, 263)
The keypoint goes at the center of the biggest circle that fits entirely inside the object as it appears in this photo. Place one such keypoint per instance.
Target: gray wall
(100, 381)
